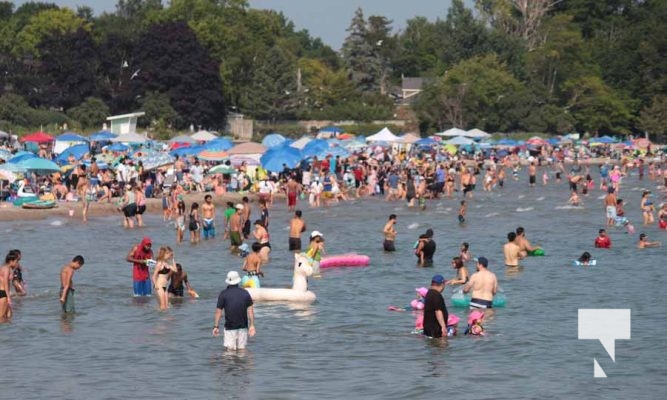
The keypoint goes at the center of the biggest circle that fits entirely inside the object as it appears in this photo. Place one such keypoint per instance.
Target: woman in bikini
(164, 268)
(262, 236)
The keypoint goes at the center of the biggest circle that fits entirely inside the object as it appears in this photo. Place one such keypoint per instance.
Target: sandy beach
(9, 212)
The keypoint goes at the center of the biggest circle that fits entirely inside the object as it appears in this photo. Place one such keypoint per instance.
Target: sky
(326, 19)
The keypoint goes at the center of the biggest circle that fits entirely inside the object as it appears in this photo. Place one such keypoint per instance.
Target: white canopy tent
(476, 133)
(452, 132)
(384, 135)
(459, 141)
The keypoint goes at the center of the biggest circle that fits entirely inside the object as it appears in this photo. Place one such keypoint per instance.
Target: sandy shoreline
(9, 212)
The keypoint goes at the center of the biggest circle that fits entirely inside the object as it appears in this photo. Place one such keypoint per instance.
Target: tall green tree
(363, 65)
(91, 113)
(652, 119)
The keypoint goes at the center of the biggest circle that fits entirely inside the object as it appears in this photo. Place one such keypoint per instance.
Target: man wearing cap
(483, 284)
(139, 256)
(235, 226)
(236, 304)
(315, 250)
(435, 311)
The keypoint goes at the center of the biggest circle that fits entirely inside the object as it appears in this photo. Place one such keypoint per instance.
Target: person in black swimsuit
(426, 249)
(462, 275)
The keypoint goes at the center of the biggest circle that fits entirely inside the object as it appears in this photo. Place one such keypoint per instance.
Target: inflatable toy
(536, 253)
(303, 267)
(345, 260)
(577, 263)
(460, 299)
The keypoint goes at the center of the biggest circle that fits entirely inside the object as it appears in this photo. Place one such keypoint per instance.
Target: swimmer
(644, 243)
(17, 276)
(602, 241)
(610, 203)
(574, 199)
(261, 234)
(462, 212)
(389, 234)
(194, 224)
(296, 227)
(180, 221)
(483, 285)
(523, 243)
(162, 272)
(585, 258)
(208, 216)
(462, 276)
(6, 273)
(316, 250)
(66, 289)
(512, 251)
(252, 264)
(662, 216)
(235, 226)
(229, 211)
(465, 253)
(179, 281)
(647, 208)
(532, 174)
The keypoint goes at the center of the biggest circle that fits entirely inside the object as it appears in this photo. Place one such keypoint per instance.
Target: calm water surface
(346, 344)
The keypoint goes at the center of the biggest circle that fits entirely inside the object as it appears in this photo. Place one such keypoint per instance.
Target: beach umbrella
(5, 154)
(536, 141)
(119, 147)
(101, 136)
(425, 142)
(78, 151)
(476, 133)
(247, 148)
(314, 147)
(156, 160)
(203, 136)
(187, 151)
(334, 151)
(129, 138)
(71, 137)
(211, 155)
(38, 137)
(273, 160)
(332, 129)
(507, 142)
(238, 159)
(222, 169)
(183, 139)
(273, 140)
(603, 140)
(459, 141)
(21, 156)
(345, 136)
(40, 166)
(384, 135)
(12, 167)
(301, 143)
(4, 135)
(219, 144)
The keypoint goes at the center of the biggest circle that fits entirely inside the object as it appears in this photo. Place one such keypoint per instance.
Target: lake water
(347, 344)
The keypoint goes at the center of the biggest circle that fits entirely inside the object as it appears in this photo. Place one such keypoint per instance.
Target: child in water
(574, 199)
(585, 258)
(253, 268)
(462, 212)
(475, 326)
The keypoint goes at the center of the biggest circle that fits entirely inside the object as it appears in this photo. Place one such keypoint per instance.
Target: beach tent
(203, 136)
(129, 138)
(37, 137)
(384, 135)
(452, 132)
(476, 133)
(409, 138)
(459, 141)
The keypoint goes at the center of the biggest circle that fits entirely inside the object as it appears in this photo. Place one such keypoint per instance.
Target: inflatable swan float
(303, 267)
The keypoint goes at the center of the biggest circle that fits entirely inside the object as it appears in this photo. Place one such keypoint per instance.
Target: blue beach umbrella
(219, 144)
(71, 137)
(21, 156)
(5, 154)
(78, 151)
(11, 167)
(274, 159)
(273, 140)
(118, 147)
(314, 147)
(102, 136)
(334, 151)
(425, 142)
(40, 166)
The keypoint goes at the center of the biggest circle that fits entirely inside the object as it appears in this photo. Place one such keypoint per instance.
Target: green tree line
(552, 66)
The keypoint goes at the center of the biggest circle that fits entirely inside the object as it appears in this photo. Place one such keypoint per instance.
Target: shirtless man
(178, 279)
(483, 284)
(6, 273)
(66, 289)
(389, 234)
(532, 174)
(235, 226)
(208, 215)
(523, 243)
(293, 188)
(610, 206)
(296, 227)
(512, 251)
(645, 243)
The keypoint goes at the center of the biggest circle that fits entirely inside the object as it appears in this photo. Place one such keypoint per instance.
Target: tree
(91, 113)
(44, 24)
(362, 64)
(160, 114)
(273, 92)
(170, 60)
(384, 46)
(652, 119)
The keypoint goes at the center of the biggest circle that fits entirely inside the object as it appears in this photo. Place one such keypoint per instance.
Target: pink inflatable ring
(345, 260)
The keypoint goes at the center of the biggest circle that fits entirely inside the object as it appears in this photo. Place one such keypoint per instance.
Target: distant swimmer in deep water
(389, 232)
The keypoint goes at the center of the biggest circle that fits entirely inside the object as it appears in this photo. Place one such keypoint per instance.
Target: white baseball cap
(315, 234)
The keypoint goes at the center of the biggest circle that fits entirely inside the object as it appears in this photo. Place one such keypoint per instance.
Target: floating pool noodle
(345, 260)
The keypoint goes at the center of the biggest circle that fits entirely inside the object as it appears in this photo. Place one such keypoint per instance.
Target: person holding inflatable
(602, 241)
(252, 265)
(483, 285)
(315, 251)
(435, 311)
(526, 248)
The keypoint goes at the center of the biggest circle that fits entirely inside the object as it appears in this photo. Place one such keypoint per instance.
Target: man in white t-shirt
(316, 189)
(197, 173)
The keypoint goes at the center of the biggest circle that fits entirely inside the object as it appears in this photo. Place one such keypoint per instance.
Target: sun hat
(233, 278)
(422, 291)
